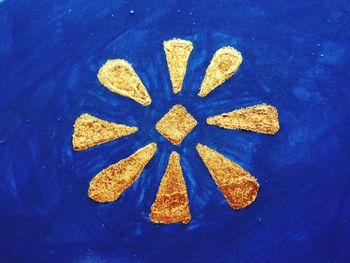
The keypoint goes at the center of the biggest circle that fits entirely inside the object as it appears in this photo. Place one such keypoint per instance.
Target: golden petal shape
(171, 203)
(90, 131)
(177, 52)
(261, 118)
(238, 186)
(119, 77)
(176, 124)
(223, 65)
(111, 182)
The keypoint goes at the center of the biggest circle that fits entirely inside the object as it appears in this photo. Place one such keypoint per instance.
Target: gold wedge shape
(119, 77)
(261, 118)
(177, 52)
(238, 186)
(223, 65)
(171, 203)
(90, 131)
(111, 182)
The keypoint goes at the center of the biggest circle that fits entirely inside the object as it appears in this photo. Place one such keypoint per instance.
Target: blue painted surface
(296, 57)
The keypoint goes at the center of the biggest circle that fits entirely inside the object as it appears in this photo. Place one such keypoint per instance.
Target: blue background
(295, 57)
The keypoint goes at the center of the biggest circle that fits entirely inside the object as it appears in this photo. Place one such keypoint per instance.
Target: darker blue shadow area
(295, 57)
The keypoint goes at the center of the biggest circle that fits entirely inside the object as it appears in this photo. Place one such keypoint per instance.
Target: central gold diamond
(176, 124)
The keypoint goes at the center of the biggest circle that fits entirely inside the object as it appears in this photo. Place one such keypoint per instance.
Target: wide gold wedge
(119, 77)
(177, 52)
(90, 131)
(111, 182)
(223, 65)
(237, 185)
(261, 118)
(171, 203)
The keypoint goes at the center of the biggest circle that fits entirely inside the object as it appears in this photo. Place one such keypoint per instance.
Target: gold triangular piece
(223, 65)
(238, 186)
(111, 182)
(171, 203)
(177, 52)
(90, 131)
(119, 77)
(261, 118)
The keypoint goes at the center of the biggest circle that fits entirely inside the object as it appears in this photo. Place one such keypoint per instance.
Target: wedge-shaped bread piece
(223, 65)
(111, 182)
(177, 52)
(238, 186)
(119, 77)
(90, 131)
(171, 203)
(261, 118)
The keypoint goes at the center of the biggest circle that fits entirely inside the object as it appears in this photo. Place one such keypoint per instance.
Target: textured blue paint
(296, 57)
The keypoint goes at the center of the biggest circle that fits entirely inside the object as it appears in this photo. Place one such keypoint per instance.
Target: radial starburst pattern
(171, 204)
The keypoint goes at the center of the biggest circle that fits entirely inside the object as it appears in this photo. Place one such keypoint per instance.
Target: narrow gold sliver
(90, 131)
(177, 52)
(171, 204)
(261, 118)
(237, 185)
(111, 182)
(119, 77)
(223, 65)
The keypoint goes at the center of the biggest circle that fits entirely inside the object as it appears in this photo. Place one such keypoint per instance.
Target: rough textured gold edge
(148, 99)
(176, 142)
(132, 130)
(185, 43)
(248, 176)
(212, 120)
(176, 156)
(153, 147)
(238, 54)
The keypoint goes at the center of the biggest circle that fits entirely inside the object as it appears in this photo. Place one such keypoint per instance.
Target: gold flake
(261, 118)
(177, 53)
(223, 65)
(171, 203)
(111, 182)
(90, 131)
(176, 124)
(119, 77)
(238, 186)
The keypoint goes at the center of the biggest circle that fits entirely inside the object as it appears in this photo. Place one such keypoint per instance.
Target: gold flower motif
(171, 203)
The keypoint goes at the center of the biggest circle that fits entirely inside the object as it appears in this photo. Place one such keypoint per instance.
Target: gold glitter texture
(177, 52)
(119, 77)
(238, 186)
(176, 124)
(111, 182)
(171, 203)
(261, 118)
(90, 131)
(223, 65)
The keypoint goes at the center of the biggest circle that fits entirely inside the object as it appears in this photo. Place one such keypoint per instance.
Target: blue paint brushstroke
(295, 57)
